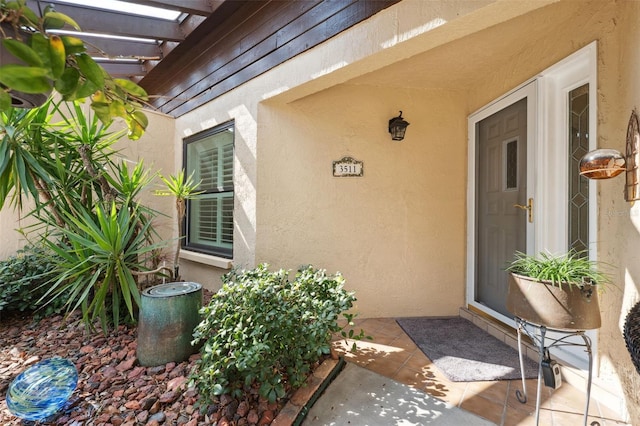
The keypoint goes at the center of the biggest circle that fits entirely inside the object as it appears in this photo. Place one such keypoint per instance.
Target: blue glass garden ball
(42, 389)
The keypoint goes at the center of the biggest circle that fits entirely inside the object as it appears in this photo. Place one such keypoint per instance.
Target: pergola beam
(122, 24)
(112, 48)
(123, 69)
(193, 7)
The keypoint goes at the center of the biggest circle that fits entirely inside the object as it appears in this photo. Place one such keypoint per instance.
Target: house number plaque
(347, 166)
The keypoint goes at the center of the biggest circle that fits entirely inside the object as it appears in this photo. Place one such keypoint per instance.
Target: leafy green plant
(85, 205)
(181, 189)
(21, 172)
(57, 164)
(22, 279)
(264, 330)
(50, 60)
(97, 257)
(572, 269)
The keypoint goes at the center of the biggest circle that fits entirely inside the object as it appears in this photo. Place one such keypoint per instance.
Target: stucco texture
(619, 221)
(398, 232)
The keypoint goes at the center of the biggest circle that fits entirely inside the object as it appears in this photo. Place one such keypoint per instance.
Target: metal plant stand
(537, 334)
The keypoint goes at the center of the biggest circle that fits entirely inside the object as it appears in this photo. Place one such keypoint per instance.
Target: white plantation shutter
(207, 162)
(212, 219)
(210, 214)
(226, 175)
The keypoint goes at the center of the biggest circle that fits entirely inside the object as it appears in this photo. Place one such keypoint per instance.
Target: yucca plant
(571, 269)
(97, 258)
(22, 173)
(182, 189)
(85, 205)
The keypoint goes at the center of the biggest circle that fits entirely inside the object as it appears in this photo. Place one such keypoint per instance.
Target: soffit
(464, 63)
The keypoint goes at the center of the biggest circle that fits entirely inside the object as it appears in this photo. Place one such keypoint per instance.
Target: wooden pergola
(211, 46)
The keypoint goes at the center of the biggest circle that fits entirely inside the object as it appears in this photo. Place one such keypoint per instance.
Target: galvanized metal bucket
(566, 307)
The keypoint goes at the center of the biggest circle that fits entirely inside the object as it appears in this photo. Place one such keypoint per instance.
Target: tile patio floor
(393, 354)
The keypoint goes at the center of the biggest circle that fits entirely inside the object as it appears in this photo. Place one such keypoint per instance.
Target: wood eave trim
(175, 62)
(219, 76)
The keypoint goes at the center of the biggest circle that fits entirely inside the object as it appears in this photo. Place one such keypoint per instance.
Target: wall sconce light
(602, 164)
(608, 163)
(397, 127)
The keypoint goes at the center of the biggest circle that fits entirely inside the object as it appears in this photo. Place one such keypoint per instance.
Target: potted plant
(556, 291)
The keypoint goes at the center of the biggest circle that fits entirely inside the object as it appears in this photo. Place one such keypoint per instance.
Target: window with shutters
(208, 226)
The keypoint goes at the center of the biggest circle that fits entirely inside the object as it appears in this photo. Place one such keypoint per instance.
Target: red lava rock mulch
(112, 388)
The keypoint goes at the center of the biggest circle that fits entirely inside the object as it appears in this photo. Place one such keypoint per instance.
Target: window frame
(185, 233)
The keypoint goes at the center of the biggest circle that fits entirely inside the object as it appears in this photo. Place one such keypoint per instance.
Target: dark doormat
(464, 352)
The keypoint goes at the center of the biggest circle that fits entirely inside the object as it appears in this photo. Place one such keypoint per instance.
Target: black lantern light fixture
(397, 127)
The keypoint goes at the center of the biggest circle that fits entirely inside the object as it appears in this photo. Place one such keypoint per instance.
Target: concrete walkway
(361, 397)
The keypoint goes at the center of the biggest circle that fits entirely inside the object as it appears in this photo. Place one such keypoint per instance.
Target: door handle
(528, 207)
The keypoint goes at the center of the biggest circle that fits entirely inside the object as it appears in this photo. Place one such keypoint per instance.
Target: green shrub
(261, 329)
(21, 281)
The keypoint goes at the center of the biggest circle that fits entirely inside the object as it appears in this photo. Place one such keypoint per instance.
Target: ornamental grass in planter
(559, 292)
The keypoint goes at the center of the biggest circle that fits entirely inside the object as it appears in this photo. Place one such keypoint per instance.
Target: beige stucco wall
(308, 74)
(10, 222)
(397, 233)
(287, 110)
(619, 221)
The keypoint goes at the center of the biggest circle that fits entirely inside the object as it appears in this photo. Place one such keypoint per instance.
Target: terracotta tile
(439, 375)
(287, 416)
(382, 339)
(404, 342)
(526, 417)
(480, 323)
(393, 354)
(365, 353)
(371, 325)
(496, 332)
(453, 392)
(385, 367)
(325, 368)
(419, 362)
(483, 407)
(607, 412)
(420, 381)
(603, 421)
(563, 418)
(388, 322)
(400, 356)
(567, 398)
(515, 385)
(304, 394)
(494, 391)
(360, 358)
